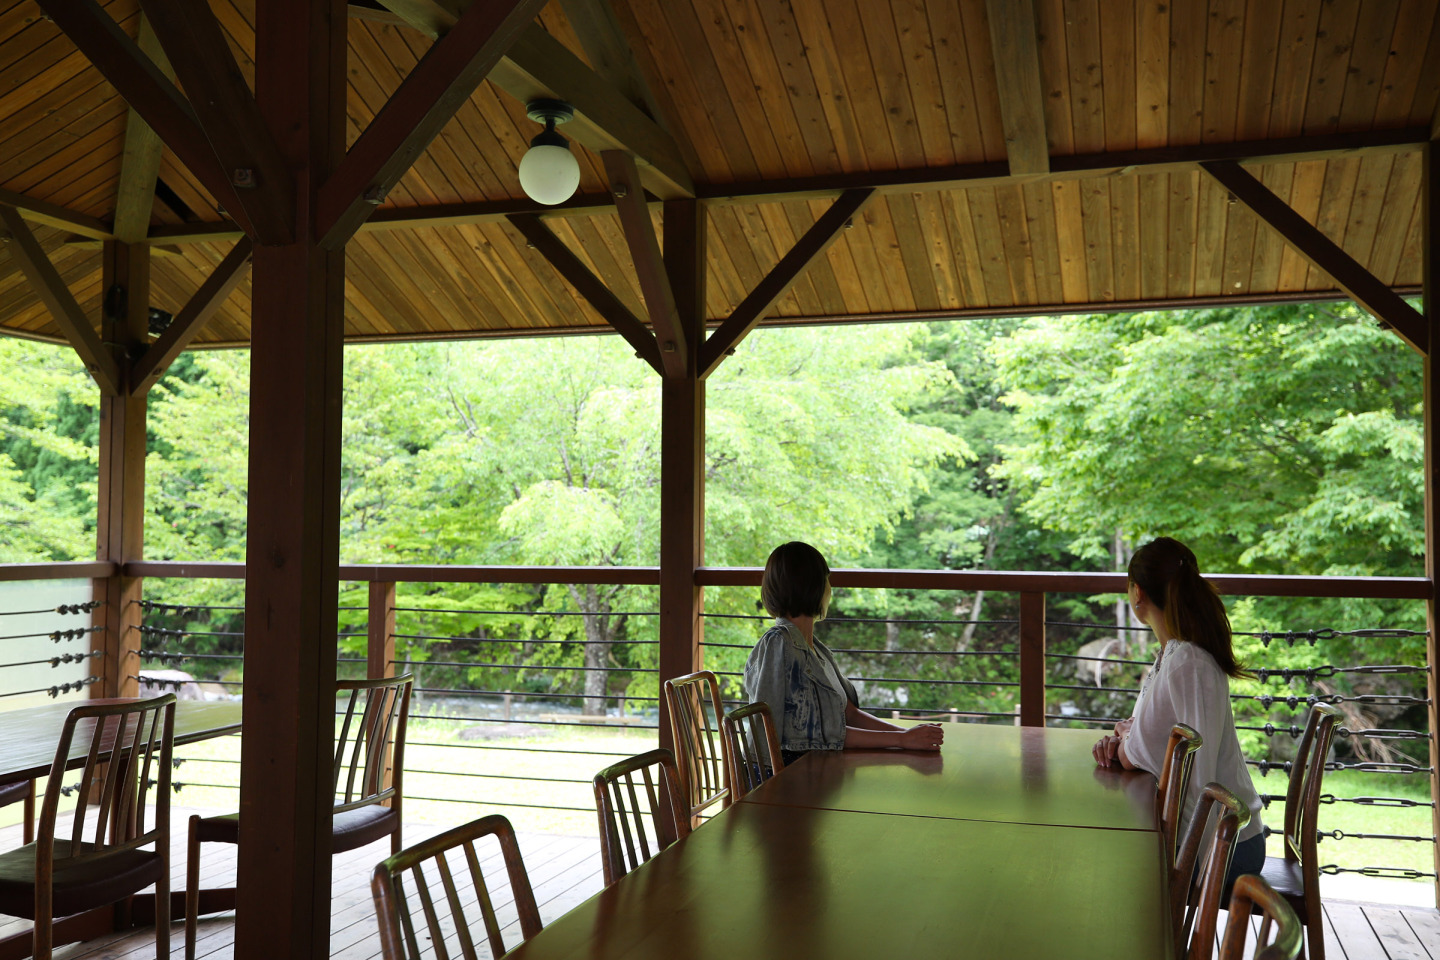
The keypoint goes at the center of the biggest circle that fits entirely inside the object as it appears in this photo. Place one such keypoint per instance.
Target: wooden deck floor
(566, 871)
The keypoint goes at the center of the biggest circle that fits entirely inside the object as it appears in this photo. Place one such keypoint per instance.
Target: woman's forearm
(868, 738)
(855, 718)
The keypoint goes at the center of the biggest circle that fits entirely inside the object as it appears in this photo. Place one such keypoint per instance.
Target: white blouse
(1187, 686)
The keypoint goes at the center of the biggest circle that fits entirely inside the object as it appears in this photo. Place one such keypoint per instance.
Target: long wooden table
(28, 738)
(1009, 843)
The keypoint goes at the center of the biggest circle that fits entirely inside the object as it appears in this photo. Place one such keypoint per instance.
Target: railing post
(1430, 209)
(1032, 659)
(380, 630)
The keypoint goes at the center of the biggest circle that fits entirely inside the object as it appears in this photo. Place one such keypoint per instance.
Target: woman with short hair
(814, 706)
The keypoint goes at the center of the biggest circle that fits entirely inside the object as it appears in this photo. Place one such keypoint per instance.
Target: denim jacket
(808, 707)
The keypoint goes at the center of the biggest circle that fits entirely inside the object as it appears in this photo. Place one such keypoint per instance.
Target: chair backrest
(753, 747)
(1302, 797)
(403, 882)
(1252, 892)
(128, 747)
(372, 726)
(1174, 781)
(639, 806)
(700, 752)
(1195, 894)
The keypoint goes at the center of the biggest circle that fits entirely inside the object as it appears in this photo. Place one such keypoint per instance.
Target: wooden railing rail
(66, 570)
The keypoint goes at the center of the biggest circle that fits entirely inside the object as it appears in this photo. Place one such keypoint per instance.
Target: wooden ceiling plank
(608, 50)
(135, 193)
(1332, 62)
(48, 156)
(1295, 60)
(742, 92)
(226, 110)
(891, 81)
(1118, 55)
(768, 95)
(1087, 78)
(734, 268)
(1238, 267)
(25, 251)
(796, 74)
(1211, 213)
(1333, 218)
(1224, 47)
(515, 271)
(1396, 212)
(1324, 253)
(895, 279)
(1258, 57)
(1370, 53)
(1152, 75)
(763, 297)
(856, 82)
(1363, 217)
(1017, 78)
(602, 241)
(415, 113)
(47, 115)
(1070, 240)
(821, 273)
(146, 88)
(951, 60)
(942, 260)
(1044, 245)
(1050, 18)
(1099, 239)
(1125, 236)
(591, 287)
(828, 76)
(649, 265)
(1269, 249)
(1306, 188)
(1154, 233)
(985, 215)
(914, 251)
(191, 318)
(979, 47)
(1416, 25)
(1015, 238)
(1188, 28)
(1180, 245)
(918, 54)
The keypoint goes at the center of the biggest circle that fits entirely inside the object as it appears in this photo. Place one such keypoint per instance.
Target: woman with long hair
(815, 707)
(1189, 683)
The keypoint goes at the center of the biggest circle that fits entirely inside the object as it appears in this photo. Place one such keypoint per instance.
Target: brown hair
(794, 581)
(1169, 574)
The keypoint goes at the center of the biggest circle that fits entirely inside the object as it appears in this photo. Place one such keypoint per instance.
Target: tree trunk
(596, 649)
(892, 635)
(967, 636)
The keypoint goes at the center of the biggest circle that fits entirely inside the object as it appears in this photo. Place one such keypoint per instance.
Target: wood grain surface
(1002, 774)
(29, 736)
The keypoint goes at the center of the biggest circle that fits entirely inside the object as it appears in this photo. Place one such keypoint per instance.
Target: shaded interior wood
(766, 92)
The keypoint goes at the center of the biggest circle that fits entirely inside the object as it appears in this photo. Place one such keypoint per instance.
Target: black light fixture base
(548, 111)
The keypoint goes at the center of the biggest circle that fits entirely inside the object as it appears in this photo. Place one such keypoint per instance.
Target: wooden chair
(21, 793)
(445, 911)
(628, 837)
(1195, 895)
(1251, 892)
(748, 765)
(368, 790)
(700, 750)
(129, 753)
(1296, 875)
(1174, 781)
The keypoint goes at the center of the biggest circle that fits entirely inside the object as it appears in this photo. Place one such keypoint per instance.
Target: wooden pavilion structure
(297, 174)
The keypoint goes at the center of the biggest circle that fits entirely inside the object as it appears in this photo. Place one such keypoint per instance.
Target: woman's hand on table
(926, 736)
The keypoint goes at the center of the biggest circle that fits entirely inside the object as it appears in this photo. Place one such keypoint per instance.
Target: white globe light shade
(549, 174)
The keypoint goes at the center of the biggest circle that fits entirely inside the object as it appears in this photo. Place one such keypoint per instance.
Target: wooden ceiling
(775, 108)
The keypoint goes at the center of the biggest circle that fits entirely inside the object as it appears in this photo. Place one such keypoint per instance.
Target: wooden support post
(380, 630)
(292, 551)
(1032, 659)
(1431, 277)
(120, 523)
(682, 457)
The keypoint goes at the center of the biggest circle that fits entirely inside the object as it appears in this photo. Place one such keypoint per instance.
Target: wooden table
(28, 738)
(1007, 844)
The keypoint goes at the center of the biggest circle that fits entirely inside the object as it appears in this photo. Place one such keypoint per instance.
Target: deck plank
(1426, 924)
(1354, 931)
(1395, 935)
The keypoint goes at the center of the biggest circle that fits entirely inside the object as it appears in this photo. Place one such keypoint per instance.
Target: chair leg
(28, 831)
(192, 888)
(1314, 929)
(162, 911)
(43, 937)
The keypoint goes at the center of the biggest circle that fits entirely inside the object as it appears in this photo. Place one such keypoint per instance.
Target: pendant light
(549, 172)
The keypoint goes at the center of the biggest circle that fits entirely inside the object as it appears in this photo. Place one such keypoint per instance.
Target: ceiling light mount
(549, 172)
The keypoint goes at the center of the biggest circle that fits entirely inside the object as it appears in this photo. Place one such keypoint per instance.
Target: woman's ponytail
(1169, 574)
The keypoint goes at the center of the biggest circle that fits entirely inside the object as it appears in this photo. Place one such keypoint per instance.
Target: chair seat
(353, 828)
(14, 792)
(78, 886)
(1286, 877)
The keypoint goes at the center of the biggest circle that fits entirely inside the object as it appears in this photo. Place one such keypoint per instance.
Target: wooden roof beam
(1016, 47)
(146, 88)
(591, 287)
(229, 115)
(54, 215)
(608, 50)
(140, 163)
(779, 280)
(539, 66)
(649, 264)
(1359, 283)
(27, 253)
(415, 113)
(187, 324)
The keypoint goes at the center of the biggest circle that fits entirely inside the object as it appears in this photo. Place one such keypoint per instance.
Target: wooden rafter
(1079, 167)
(27, 253)
(779, 280)
(1359, 283)
(53, 215)
(191, 319)
(226, 110)
(1017, 80)
(608, 50)
(649, 264)
(140, 163)
(539, 66)
(589, 286)
(146, 88)
(414, 115)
